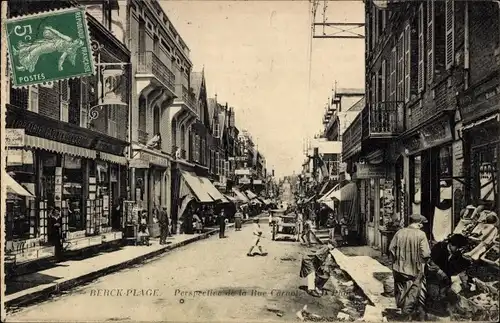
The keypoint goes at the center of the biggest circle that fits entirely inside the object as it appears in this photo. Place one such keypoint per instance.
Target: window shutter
(401, 66)
(450, 27)
(384, 76)
(430, 40)
(393, 74)
(421, 49)
(407, 46)
(64, 86)
(33, 98)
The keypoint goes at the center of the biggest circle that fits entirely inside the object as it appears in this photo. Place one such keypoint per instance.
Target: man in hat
(410, 253)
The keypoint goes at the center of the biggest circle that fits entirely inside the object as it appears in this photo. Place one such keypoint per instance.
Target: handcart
(283, 224)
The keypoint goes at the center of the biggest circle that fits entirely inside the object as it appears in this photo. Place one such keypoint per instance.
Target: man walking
(410, 253)
(257, 232)
(163, 221)
(222, 224)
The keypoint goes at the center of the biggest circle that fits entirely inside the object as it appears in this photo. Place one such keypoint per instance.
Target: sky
(256, 58)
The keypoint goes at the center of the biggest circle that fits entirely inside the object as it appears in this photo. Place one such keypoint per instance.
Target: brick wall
(49, 101)
(484, 38)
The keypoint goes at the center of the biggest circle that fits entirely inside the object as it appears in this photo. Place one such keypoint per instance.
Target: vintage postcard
(250, 161)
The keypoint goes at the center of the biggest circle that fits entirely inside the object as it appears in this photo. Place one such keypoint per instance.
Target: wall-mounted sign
(244, 180)
(437, 133)
(257, 181)
(242, 171)
(138, 163)
(480, 101)
(14, 137)
(364, 171)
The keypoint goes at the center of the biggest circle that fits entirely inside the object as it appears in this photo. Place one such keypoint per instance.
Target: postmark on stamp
(49, 46)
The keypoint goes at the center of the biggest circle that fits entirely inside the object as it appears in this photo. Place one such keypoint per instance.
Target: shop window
(415, 184)
(485, 174)
(47, 190)
(103, 191)
(73, 192)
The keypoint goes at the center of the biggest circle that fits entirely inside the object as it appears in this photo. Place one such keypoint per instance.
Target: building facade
(431, 68)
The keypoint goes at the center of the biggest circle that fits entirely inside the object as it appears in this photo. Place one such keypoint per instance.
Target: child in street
(257, 232)
(344, 231)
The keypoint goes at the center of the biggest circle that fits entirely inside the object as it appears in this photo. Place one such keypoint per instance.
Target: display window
(416, 184)
(73, 182)
(485, 174)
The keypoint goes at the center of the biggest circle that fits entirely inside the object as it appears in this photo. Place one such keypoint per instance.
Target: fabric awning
(14, 187)
(309, 199)
(231, 198)
(251, 195)
(121, 160)
(197, 187)
(213, 191)
(239, 195)
(330, 204)
(327, 195)
(58, 147)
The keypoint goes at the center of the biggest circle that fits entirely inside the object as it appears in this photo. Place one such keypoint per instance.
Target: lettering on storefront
(414, 144)
(436, 133)
(138, 163)
(156, 160)
(364, 171)
(480, 102)
(37, 125)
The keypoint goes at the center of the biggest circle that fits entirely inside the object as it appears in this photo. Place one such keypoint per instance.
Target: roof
(212, 107)
(349, 91)
(358, 106)
(222, 121)
(196, 82)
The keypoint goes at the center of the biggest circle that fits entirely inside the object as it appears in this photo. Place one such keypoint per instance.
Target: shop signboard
(14, 137)
(244, 180)
(437, 133)
(14, 157)
(242, 171)
(257, 181)
(480, 101)
(139, 163)
(364, 171)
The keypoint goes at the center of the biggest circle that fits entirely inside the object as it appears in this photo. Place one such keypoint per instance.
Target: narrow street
(251, 288)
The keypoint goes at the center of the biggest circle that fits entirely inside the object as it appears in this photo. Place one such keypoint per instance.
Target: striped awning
(58, 147)
(14, 187)
(213, 191)
(251, 195)
(122, 160)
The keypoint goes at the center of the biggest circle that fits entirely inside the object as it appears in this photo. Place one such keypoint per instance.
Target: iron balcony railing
(381, 119)
(185, 96)
(149, 63)
(142, 136)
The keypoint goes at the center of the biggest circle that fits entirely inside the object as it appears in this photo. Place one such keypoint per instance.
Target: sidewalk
(69, 274)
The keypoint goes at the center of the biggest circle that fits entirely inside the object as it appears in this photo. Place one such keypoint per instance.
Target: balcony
(381, 120)
(185, 98)
(351, 140)
(142, 136)
(150, 66)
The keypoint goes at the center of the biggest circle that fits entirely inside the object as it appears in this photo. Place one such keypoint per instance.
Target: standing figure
(257, 233)
(222, 224)
(238, 219)
(306, 232)
(410, 252)
(143, 234)
(163, 221)
(197, 224)
(315, 268)
(344, 231)
(55, 233)
(299, 224)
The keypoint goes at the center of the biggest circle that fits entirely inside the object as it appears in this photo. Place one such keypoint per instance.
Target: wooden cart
(283, 224)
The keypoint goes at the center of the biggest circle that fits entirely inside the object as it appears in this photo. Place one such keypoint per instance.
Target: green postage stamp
(49, 46)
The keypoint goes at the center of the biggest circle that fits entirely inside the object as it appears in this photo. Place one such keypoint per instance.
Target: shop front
(151, 184)
(430, 177)
(62, 165)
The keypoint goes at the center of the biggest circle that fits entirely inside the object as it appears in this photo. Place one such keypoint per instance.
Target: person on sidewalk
(410, 252)
(222, 224)
(344, 231)
(143, 234)
(257, 232)
(299, 224)
(163, 222)
(55, 233)
(238, 219)
(315, 268)
(197, 224)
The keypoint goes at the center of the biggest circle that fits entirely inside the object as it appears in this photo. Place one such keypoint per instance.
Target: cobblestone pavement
(230, 285)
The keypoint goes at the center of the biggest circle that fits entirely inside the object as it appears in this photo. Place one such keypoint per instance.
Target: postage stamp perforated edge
(50, 13)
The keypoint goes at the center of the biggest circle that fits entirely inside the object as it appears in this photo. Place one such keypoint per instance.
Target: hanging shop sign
(37, 125)
(14, 137)
(436, 133)
(257, 181)
(364, 171)
(242, 171)
(480, 101)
